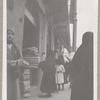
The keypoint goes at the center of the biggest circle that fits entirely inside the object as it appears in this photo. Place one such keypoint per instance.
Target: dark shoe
(41, 96)
(45, 96)
(49, 95)
(62, 88)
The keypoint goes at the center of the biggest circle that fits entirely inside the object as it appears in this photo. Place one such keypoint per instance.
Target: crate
(33, 61)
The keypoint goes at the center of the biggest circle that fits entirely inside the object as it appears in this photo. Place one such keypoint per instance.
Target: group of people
(53, 74)
(80, 70)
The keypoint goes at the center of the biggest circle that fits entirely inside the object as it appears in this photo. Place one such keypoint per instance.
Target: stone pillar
(75, 26)
(52, 40)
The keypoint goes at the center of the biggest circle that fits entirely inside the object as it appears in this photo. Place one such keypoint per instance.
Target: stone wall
(15, 19)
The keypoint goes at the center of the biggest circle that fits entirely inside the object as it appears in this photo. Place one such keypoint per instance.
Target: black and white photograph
(50, 50)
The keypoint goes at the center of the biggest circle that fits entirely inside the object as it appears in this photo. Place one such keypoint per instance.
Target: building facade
(39, 26)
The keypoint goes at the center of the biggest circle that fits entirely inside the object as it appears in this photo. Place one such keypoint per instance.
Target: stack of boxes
(25, 82)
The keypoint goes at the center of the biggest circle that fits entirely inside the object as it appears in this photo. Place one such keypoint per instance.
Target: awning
(65, 40)
(58, 11)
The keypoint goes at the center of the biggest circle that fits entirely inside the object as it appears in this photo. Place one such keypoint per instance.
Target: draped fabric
(48, 84)
(82, 70)
(12, 75)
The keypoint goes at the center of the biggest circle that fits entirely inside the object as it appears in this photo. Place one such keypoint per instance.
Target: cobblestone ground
(63, 95)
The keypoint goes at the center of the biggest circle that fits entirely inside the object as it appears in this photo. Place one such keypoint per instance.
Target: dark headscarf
(87, 38)
(85, 49)
(50, 59)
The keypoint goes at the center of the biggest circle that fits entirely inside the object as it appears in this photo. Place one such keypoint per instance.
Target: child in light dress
(59, 75)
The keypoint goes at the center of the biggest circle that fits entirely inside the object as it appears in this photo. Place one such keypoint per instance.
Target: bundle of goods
(25, 82)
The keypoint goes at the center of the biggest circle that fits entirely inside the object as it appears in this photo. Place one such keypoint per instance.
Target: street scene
(45, 58)
(62, 95)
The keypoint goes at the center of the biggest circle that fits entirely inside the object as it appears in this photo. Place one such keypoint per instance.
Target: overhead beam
(29, 16)
(41, 5)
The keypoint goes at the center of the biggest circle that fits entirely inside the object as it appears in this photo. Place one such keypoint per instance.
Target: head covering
(51, 53)
(9, 31)
(87, 37)
(50, 59)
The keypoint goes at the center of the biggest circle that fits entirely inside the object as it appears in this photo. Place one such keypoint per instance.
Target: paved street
(63, 95)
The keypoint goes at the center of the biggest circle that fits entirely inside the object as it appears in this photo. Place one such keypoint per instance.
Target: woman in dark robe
(48, 84)
(82, 70)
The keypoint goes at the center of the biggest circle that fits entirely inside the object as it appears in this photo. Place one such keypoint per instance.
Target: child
(59, 75)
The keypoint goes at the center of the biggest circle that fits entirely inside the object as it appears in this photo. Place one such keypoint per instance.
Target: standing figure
(59, 75)
(48, 84)
(82, 70)
(66, 74)
(14, 61)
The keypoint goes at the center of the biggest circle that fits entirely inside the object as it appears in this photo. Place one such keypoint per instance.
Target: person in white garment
(59, 75)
